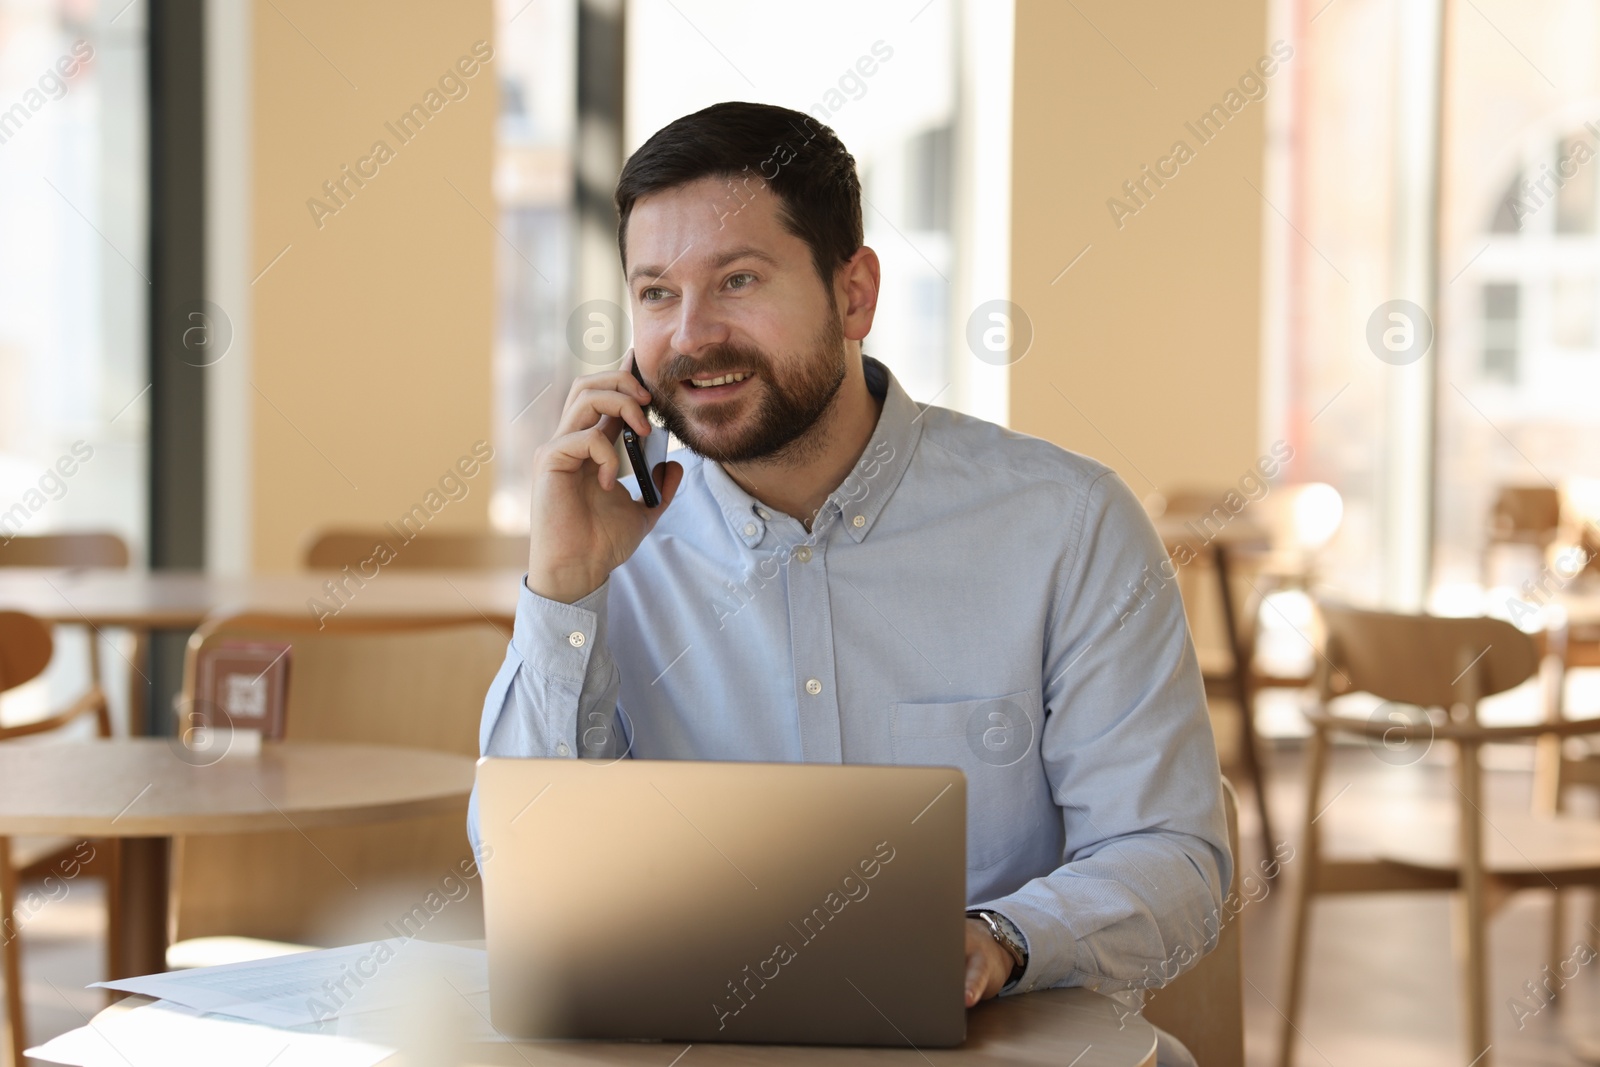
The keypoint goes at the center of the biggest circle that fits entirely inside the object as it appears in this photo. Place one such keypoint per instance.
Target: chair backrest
(413, 682)
(1427, 660)
(25, 649)
(1204, 1006)
(65, 550)
(1525, 514)
(429, 550)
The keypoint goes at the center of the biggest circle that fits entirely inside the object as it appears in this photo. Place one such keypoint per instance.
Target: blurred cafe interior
(292, 295)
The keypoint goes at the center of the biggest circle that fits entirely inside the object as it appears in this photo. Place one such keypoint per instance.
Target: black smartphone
(645, 452)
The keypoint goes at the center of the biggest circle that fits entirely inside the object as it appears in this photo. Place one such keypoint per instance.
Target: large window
(885, 77)
(73, 268)
(1521, 355)
(1516, 257)
(73, 288)
(536, 50)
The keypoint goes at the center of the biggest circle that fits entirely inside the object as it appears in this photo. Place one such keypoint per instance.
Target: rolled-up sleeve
(1128, 750)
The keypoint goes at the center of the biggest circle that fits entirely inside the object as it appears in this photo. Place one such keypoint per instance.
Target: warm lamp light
(1318, 510)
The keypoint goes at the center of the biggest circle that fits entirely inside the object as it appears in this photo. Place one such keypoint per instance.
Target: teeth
(726, 379)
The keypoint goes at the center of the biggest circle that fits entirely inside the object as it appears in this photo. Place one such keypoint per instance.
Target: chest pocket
(995, 742)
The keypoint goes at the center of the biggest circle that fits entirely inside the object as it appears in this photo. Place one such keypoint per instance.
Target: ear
(855, 290)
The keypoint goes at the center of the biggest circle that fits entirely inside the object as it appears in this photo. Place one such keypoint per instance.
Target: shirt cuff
(1033, 941)
(556, 640)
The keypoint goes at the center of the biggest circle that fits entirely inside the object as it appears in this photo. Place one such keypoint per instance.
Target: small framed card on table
(244, 685)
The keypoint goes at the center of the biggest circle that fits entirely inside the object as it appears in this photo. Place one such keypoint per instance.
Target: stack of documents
(341, 1007)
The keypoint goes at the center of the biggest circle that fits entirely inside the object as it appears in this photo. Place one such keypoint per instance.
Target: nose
(698, 325)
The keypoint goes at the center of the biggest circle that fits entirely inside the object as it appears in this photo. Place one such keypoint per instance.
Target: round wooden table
(142, 792)
(183, 599)
(160, 606)
(1048, 1028)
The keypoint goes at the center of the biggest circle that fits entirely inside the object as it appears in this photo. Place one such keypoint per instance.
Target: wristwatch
(1010, 938)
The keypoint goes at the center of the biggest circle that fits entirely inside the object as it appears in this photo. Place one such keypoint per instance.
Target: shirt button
(563, 750)
(749, 529)
(575, 639)
(859, 521)
(813, 687)
(764, 513)
(803, 553)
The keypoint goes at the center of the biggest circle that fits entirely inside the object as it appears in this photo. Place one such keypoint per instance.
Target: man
(837, 574)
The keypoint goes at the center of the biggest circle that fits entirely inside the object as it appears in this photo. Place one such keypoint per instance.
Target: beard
(789, 407)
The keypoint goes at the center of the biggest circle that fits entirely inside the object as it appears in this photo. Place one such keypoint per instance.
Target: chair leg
(93, 636)
(1305, 886)
(1558, 929)
(1471, 909)
(11, 958)
(138, 715)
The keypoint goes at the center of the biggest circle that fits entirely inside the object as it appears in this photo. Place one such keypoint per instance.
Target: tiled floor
(1382, 980)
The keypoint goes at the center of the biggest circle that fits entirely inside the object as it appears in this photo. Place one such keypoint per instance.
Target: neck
(798, 480)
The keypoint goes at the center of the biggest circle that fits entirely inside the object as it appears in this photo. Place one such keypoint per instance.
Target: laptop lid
(716, 901)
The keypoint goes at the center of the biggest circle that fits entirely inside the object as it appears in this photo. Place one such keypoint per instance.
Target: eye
(645, 294)
(742, 274)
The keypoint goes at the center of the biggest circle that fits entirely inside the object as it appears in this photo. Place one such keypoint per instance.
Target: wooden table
(1048, 1028)
(141, 792)
(182, 599)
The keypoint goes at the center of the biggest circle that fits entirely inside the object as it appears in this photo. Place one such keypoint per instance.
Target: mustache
(720, 360)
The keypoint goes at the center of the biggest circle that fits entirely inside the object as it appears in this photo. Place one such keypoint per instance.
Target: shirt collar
(865, 492)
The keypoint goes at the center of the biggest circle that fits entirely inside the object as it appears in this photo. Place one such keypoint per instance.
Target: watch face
(1005, 932)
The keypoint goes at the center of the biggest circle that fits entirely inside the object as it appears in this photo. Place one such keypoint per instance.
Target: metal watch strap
(1005, 933)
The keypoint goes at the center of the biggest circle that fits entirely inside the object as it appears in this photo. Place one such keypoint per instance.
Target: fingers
(977, 970)
(622, 398)
(570, 452)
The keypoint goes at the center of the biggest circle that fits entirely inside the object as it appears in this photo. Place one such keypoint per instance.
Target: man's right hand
(583, 523)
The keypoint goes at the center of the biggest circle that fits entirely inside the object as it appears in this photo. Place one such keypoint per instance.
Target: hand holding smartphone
(645, 452)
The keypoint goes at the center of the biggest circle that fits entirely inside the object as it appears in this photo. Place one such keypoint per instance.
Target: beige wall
(372, 335)
(1154, 333)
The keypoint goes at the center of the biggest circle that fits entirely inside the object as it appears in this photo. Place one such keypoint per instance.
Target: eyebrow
(743, 252)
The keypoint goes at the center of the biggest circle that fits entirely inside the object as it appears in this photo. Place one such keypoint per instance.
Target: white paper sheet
(315, 987)
(171, 1035)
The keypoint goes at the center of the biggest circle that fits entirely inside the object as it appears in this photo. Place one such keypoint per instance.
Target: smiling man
(838, 574)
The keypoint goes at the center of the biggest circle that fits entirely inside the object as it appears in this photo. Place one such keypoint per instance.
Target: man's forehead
(702, 226)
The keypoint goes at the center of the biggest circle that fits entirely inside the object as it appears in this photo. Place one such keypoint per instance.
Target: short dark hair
(801, 160)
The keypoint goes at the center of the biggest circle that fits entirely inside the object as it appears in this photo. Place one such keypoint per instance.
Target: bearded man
(838, 574)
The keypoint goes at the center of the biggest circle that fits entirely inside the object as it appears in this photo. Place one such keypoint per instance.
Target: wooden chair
(65, 550)
(25, 650)
(1525, 515)
(1204, 1006)
(430, 550)
(78, 550)
(1447, 664)
(1528, 516)
(1235, 594)
(1561, 763)
(413, 682)
(1288, 561)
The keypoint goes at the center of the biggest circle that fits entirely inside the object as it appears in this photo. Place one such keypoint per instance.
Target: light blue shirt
(963, 599)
